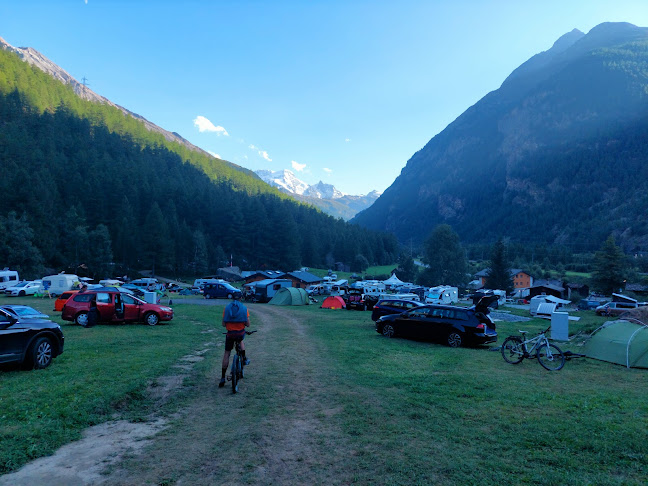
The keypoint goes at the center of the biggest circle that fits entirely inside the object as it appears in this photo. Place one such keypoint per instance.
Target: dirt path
(280, 428)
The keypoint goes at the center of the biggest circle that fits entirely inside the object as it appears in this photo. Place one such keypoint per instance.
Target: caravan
(442, 294)
(8, 278)
(57, 284)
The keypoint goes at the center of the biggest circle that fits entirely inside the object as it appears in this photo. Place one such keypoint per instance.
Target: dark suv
(452, 325)
(354, 299)
(34, 342)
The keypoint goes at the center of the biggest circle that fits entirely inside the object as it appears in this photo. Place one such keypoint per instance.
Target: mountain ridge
(587, 93)
(321, 195)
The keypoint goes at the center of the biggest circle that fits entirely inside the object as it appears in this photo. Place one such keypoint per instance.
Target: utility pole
(85, 84)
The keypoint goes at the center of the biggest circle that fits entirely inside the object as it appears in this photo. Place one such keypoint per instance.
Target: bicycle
(515, 349)
(237, 365)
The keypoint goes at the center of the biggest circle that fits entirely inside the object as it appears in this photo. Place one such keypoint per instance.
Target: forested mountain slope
(85, 185)
(558, 154)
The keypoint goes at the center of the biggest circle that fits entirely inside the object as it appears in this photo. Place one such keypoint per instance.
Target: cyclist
(236, 318)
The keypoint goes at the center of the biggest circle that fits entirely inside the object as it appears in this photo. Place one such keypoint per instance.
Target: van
(218, 290)
(146, 283)
(57, 284)
(8, 278)
(199, 283)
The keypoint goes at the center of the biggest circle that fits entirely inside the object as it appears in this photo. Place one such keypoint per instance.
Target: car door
(105, 307)
(438, 326)
(131, 308)
(12, 339)
(414, 323)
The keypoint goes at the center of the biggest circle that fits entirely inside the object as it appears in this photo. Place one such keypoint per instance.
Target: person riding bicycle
(236, 318)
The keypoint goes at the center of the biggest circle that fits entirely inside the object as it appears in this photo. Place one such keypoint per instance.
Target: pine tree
(499, 273)
(610, 266)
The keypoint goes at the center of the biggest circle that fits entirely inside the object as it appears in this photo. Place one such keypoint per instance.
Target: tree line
(80, 197)
(446, 262)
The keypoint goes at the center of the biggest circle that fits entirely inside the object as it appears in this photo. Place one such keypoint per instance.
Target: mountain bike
(237, 365)
(516, 348)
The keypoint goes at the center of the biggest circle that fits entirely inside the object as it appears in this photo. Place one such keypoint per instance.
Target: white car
(25, 288)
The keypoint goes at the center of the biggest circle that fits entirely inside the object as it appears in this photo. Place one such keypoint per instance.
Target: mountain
(321, 195)
(93, 190)
(557, 155)
(133, 124)
(284, 180)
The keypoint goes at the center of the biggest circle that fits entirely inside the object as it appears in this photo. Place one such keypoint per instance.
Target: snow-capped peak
(283, 179)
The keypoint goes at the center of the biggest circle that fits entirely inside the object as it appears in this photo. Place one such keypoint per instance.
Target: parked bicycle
(516, 348)
(237, 365)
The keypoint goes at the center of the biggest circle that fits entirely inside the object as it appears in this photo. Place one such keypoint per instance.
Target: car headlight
(166, 309)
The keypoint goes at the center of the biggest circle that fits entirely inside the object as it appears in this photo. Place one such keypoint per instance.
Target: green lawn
(103, 370)
(407, 412)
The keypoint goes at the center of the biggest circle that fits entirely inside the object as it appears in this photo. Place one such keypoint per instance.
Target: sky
(342, 91)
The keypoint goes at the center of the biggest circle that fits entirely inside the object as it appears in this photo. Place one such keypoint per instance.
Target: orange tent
(333, 302)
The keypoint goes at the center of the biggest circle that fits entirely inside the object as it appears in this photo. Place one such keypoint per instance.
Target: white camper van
(8, 278)
(442, 294)
(57, 284)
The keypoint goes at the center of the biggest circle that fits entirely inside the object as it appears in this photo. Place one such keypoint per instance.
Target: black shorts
(232, 337)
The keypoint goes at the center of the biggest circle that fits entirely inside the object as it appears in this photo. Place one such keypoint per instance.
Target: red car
(114, 307)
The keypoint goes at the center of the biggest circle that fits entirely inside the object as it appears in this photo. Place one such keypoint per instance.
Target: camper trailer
(8, 278)
(442, 294)
(57, 284)
(265, 290)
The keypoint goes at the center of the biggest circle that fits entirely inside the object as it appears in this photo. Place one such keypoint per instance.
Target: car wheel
(388, 331)
(42, 353)
(81, 319)
(53, 294)
(21, 293)
(207, 296)
(455, 340)
(151, 318)
(229, 296)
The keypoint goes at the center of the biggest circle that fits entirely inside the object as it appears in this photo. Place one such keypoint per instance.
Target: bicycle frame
(537, 341)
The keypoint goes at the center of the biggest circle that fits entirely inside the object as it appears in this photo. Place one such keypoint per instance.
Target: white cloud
(214, 154)
(297, 166)
(347, 139)
(262, 153)
(327, 170)
(204, 125)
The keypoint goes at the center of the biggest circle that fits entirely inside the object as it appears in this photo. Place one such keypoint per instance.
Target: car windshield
(229, 287)
(21, 284)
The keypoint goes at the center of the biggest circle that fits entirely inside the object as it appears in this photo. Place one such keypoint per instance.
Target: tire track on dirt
(279, 429)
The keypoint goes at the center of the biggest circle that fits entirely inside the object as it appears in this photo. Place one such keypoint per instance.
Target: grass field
(405, 412)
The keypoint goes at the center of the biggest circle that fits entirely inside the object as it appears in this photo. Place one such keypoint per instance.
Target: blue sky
(340, 91)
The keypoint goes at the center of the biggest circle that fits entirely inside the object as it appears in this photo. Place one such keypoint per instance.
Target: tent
(290, 296)
(393, 281)
(334, 302)
(623, 342)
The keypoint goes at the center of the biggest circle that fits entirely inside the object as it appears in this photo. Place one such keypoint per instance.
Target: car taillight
(481, 327)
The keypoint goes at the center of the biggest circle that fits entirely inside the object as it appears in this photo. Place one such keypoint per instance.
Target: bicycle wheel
(235, 373)
(512, 350)
(550, 357)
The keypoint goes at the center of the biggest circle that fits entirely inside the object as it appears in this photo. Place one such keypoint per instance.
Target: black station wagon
(451, 325)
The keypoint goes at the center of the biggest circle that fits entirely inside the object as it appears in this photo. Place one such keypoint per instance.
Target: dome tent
(623, 342)
(290, 296)
(333, 302)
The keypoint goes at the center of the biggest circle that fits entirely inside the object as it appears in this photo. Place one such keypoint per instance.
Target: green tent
(624, 342)
(290, 296)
